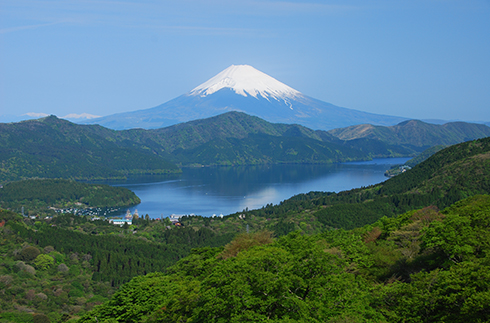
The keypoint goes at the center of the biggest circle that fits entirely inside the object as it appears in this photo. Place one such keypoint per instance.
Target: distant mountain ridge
(243, 88)
(416, 133)
(56, 148)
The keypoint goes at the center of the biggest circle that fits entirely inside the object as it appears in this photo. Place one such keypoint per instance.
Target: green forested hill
(415, 133)
(37, 195)
(424, 266)
(54, 148)
(236, 138)
(58, 268)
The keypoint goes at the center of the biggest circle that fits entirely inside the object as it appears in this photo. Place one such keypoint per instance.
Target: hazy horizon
(413, 59)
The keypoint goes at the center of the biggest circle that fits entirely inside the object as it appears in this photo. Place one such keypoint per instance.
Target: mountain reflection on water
(224, 190)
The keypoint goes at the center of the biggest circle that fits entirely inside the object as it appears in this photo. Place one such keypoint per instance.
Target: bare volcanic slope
(245, 89)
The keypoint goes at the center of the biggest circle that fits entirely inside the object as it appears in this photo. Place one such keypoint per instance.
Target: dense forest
(368, 254)
(62, 267)
(43, 196)
(55, 148)
(423, 266)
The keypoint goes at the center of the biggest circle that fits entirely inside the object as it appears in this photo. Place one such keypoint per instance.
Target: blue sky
(417, 59)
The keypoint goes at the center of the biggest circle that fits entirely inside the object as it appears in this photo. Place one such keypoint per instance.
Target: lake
(224, 190)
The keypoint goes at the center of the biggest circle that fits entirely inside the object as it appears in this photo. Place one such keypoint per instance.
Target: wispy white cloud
(27, 27)
(190, 16)
(80, 116)
(35, 114)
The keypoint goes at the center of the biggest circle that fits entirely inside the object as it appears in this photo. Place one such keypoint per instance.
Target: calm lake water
(224, 190)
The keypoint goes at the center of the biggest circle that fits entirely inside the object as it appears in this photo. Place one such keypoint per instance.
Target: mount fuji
(245, 89)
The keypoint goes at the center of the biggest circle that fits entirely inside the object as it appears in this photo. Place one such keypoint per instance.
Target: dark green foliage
(40, 318)
(424, 155)
(16, 317)
(117, 259)
(29, 253)
(38, 195)
(55, 148)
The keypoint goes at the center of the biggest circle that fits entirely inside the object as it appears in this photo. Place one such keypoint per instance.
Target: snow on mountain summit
(245, 89)
(246, 80)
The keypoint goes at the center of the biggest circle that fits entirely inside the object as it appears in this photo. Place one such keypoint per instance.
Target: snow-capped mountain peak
(246, 80)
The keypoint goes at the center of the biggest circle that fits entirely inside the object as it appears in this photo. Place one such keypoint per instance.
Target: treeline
(117, 259)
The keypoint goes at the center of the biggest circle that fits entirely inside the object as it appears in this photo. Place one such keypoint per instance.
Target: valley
(71, 267)
(382, 240)
(244, 161)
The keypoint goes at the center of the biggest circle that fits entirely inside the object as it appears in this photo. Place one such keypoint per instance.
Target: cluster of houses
(91, 211)
(128, 218)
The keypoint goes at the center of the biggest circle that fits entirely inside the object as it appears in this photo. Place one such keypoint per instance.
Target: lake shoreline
(216, 190)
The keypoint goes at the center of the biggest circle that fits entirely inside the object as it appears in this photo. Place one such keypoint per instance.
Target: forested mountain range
(415, 133)
(55, 148)
(383, 264)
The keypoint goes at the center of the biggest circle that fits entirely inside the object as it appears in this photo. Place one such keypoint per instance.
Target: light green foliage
(464, 232)
(135, 299)
(460, 294)
(43, 262)
(292, 279)
(333, 277)
(246, 241)
(57, 257)
(354, 250)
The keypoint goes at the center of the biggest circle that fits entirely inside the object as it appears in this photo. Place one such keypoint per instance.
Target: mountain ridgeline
(245, 89)
(415, 133)
(55, 148)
